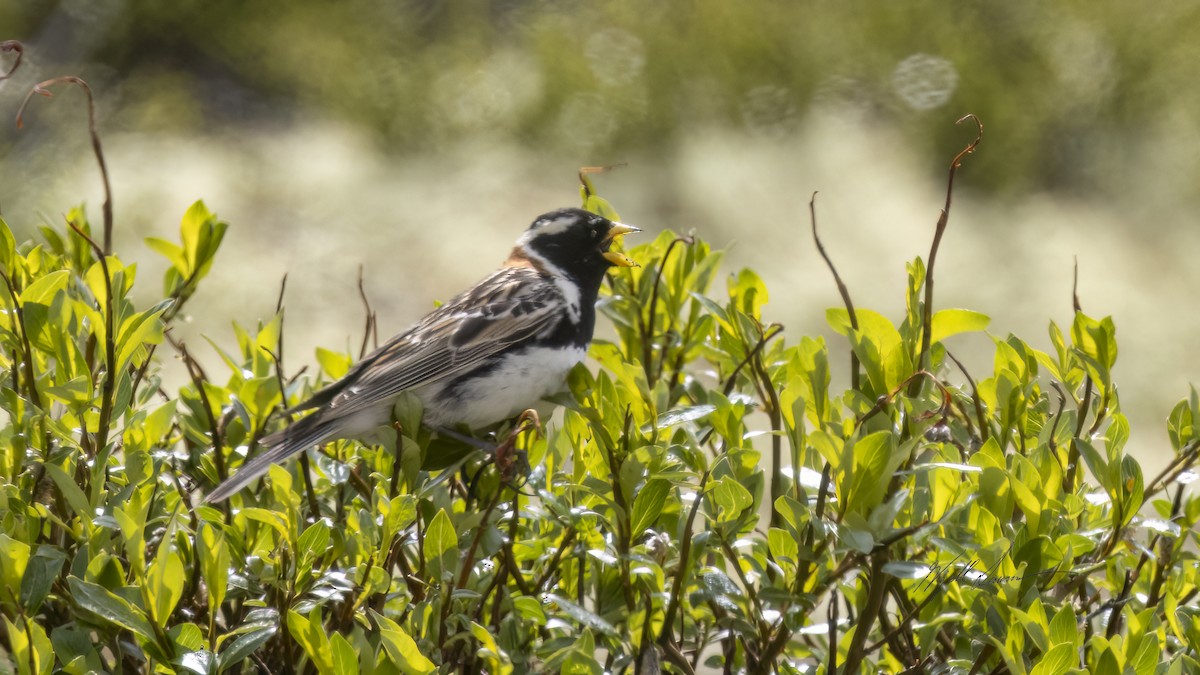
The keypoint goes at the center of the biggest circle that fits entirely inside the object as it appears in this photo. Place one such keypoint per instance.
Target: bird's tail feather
(279, 446)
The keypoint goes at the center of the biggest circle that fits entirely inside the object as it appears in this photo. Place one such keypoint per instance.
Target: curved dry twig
(589, 170)
(16, 48)
(943, 220)
(845, 292)
(41, 89)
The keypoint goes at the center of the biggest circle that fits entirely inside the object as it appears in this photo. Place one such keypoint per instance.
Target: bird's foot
(511, 462)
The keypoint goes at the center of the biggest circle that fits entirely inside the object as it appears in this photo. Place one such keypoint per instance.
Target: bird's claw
(510, 461)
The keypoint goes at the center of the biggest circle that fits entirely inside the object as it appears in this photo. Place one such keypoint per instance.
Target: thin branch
(41, 89)
(771, 332)
(845, 292)
(369, 329)
(552, 565)
(832, 619)
(1075, 287)
(278, 355)
(904, 621)
(30, 377)
(1073, 453)
(110, 343)
(198, 379)
(648, 325)
(1180, 464)
(685, 552)
(775, 415)
(877, 583)
(589, 170)
(984, 429)
(943, 220)
(911, 381)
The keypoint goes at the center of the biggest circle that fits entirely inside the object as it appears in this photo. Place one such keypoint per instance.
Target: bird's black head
(576, 242)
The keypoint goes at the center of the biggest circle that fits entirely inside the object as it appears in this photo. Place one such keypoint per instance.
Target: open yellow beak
(619, 259)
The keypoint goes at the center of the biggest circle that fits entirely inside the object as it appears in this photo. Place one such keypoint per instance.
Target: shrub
(910, 523)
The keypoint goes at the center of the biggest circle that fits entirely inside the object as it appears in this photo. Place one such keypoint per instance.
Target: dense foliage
(707, 500)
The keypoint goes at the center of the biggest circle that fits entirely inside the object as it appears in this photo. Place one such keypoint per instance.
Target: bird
(487, 355)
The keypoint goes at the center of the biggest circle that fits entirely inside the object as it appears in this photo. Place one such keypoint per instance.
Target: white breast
(520, 382)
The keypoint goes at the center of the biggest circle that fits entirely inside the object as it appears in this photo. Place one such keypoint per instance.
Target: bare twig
(370, 328)
(1180, 464)
(647, 326)
(278, 355)
(41, 89)
(1075, 287)
(877, 583)
(198, 379)
(110, 343)
(18, 49)
(984, 429)
(832, 618)
(685, 552)
(837, 278)
(27, 357)
(943, 220)
(1088, 385)
(589, 170)
(772, 330)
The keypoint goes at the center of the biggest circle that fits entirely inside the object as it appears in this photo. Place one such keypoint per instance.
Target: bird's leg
(511, 462)
(469, 440)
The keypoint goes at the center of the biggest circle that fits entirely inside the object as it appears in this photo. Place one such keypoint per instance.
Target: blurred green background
(419, 138)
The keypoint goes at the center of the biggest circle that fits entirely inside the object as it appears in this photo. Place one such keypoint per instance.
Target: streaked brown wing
(513, 304)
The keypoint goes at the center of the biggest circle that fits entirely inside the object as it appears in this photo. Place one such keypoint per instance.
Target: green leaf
(648, 504)
(867, 480)
(314, 543)
(681, 415)
(71, 492)
(1059, 659)
(495, 658)
(782, 544)
(110, 608)
(77, 391)
(241, 648)
(949, 322)
(1095, 463)
(43, 568)
(191, 230)
(907, 569)
(31, 649)
(172, 252)
(14, 559)
(8, 248)
(1063, 628)
(748, 293)
(401, 648)
(345, 659)
(200, 661)
(268, 517)
(214, 557)
(335, 364)
(43, 290)
(310, 635)
(583, 616)
(441, 545)
(732, 499)
(164, 583)
(144, 329)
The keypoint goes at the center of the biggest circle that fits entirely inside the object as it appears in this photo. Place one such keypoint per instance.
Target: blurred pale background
(419, 138)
